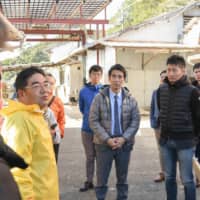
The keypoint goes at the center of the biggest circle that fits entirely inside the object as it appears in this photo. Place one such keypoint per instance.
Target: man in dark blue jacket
(87, 93)
(154, 121)
(196, 83)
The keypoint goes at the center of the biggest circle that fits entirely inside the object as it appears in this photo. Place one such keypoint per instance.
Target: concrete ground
(143, 167)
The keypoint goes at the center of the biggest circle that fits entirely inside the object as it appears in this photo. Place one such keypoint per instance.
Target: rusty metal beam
(80, 33)
(58, 21)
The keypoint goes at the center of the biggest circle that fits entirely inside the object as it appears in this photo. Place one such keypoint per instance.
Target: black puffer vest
(175, 110)
(196, 84)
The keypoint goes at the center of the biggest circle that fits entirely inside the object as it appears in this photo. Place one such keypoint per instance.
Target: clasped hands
(116, 142)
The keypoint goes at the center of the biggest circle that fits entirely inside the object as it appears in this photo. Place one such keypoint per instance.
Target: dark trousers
(87, 140)
(56, 150)
(105, 156)
(197, 152)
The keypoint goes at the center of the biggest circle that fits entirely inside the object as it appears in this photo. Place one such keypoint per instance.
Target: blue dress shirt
(119, 101)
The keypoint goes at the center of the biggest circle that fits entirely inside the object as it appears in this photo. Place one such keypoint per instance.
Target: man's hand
(119, 141)
(112, 143)
(116, 143)
(53, 132)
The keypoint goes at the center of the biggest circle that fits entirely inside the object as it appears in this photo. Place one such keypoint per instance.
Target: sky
(111, 10)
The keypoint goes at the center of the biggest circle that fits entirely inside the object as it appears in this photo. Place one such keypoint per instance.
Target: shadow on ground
(143, 168)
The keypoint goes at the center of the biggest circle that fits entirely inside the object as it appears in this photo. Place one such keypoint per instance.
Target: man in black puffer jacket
(9, 159)
(179, 107)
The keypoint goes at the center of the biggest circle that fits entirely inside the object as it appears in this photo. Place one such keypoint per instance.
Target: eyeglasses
(38, 86)
(51, 83)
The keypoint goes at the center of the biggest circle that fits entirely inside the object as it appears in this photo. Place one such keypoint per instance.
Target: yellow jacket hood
(14, 106)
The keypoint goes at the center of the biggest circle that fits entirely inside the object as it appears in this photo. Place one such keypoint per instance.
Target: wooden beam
(40, 65)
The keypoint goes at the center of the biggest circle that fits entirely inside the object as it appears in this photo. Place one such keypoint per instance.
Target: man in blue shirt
(154, 121)
(87, 93)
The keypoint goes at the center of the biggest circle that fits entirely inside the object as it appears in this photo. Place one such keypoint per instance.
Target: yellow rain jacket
(26, 131)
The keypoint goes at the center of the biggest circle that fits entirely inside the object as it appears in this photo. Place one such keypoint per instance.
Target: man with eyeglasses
(26, 132)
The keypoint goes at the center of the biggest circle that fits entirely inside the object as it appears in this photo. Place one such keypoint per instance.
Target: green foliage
(136, 11)
(33, 54)
(30, 54)
(7, 76)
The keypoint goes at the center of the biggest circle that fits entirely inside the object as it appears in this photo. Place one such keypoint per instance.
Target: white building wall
(110, 60)
(67, 84)
(91, 59)
(194, 12)
(193, 36)
(156, 32)
(62, 89)
(76, 81)
(141, 82)
(106, 60)
(102, 61)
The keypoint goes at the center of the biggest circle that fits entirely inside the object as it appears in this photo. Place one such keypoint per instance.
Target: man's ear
(20, 93)
(183, 70)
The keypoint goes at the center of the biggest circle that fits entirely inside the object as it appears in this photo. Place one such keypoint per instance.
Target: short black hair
(117, 67)
(196, 66)
(51, 75)
(95, 68)
(24, 75)
(176, 60)
(163, 72)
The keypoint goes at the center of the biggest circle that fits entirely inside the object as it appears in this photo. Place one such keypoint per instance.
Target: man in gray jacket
(114, 119)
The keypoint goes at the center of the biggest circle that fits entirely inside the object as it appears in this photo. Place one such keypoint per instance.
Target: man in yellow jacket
(26, 131)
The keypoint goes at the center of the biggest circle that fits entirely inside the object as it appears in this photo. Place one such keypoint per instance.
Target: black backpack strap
(51, 101)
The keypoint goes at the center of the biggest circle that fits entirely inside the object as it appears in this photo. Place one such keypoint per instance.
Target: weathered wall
(156, 32)
(142, 80)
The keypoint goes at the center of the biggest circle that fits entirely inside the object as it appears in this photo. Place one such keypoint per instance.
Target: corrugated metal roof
(46, 9)
(53, 14)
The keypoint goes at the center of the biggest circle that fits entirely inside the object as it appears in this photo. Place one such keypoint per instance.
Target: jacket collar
(196, 84)
(183, 81)
(105, 91)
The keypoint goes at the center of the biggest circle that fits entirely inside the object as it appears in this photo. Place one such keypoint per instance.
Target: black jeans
(56, 150)
(197, 152)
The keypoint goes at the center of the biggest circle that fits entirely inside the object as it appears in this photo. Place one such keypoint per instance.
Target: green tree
(134, 12)
(33, 54)
(29, 54)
